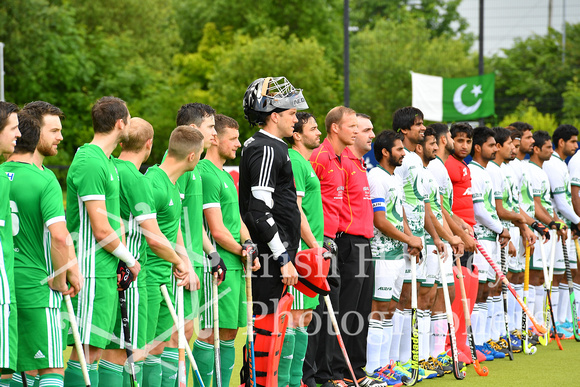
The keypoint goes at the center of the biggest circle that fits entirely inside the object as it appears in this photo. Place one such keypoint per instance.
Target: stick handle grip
(78, 345)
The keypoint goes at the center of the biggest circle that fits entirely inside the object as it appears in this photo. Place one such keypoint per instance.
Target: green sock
(152, 371)
(17, 380)
(51, 380)
(227, 360)
(138, 375)
(300, 345)
(37, 380)
(203, 354)
(110, 374)
(187, 364)
(286, 358)
(73, 375)
(5, 382)
(169, 365)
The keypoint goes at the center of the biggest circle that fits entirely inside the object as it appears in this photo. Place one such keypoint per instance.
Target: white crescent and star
(458, 102)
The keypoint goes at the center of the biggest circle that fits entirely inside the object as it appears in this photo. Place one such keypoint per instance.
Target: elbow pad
(260, 221)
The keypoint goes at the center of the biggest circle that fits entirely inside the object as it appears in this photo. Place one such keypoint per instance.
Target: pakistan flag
(454, 99)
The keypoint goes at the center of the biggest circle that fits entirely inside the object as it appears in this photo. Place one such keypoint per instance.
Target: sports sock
(405, 345)
(489, 321)
(385, 355)
(169, 366)
(577, 297)
(438, 334)
(17, 380)
(138, 374)
(395, 349)
(73, 375)
(110, 374)
(481, 329)
(204, 357)
(475, 318)
(5, 382)
(539, 312)
(517, 310)
(564, 303)
(498, 328)
(51, 380)
(300, 346)
(228, 359)
(374, 345)
(555, 296)
(286, 358)
(424, 317)
(152, 370)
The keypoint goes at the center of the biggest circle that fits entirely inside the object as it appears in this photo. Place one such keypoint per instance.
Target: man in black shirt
(268, 206)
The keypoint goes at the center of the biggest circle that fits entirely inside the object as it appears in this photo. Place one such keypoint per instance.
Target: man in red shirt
(341, 129)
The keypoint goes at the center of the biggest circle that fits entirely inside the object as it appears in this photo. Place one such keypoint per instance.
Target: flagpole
(1, 71)
(481, 122)
(346, 59)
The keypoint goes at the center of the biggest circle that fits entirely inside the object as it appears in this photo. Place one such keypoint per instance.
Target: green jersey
(308, 186)
(36, 203)
(136, 206)
(191, 189)
(92, 176)
(219, 191)
(7, 295)
(167, 202)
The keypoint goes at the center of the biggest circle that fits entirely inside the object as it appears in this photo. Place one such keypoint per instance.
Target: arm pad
(565, 209)
(484, 218)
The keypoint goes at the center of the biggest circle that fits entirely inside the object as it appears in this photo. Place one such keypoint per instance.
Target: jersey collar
(271, 135)
(476, 163)
(555, 154)
(388, 173)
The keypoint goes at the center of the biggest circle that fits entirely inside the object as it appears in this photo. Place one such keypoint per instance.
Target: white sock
(438, 334)
(539, 313)
(489, 321)
(374, 343)
(385, 357)
(499, 319)
(396, 337)
(564, 303)
(531, 303)
(577, 298)
(475, 317)
(424, 333)
(405, 345)
(511, 305)
(517, 308)
(555, 297)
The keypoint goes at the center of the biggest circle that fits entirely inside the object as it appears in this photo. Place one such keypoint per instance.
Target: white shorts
(560, 266)
(388, 279)
(432, 271)
(420, 266)
(516, 264)
(486, 272)
(546, 249)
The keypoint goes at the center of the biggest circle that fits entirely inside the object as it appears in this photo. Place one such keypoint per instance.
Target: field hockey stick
(549, 293)
(528, 348)
(481, 371)
(545, 338)
(78, 345)
(176, 322)
(216, 330)
(541, 329)
(414, 327)
(181, 372)
(571, 291)
(250, 315)
(505, 308)
(339, 337)
(127, 338)
(451, 326)
(24, 380)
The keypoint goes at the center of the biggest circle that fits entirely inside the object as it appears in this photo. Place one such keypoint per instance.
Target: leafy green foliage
(527, 112)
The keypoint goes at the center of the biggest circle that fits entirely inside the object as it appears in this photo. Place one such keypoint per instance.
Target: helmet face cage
(266, 95)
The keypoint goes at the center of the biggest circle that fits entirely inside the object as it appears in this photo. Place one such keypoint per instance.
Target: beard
(395, 161)
(45, 149)
(450, 148)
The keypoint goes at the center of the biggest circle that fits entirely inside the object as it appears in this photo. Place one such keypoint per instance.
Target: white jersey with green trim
(574, 169)
(433, 197)
(501, 189)
(523, 181)
(541, 186)
(414, 203)
(439, 172)
(510, 179)
(559, 179)
(482, 192)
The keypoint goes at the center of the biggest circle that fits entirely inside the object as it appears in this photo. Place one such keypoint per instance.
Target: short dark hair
(105, 113)
(302, 118)
(440, 129)
(522, 126)
(461, 127)
(194, 113)
(6, 108)
(405, 117)
(540, 138)
(564, 132)
(480, 136)
(501, 134)
(29, 126)
(222, 122)
(429, 131)
(515, 132)
(386, 140)
(39, 109)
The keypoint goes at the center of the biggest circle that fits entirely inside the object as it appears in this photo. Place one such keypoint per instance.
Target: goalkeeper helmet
(268, 95)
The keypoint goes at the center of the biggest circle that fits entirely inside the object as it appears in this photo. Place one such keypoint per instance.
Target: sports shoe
(427, 374)
(447, 361)
(495, 349)
(399, 372)
(428, 365)
(481, 349)
(533, 338)
(398, 367)
(501, 345)
(387, 375)
(333, 383)
(565, 329)
(367, 382)
(516, 344)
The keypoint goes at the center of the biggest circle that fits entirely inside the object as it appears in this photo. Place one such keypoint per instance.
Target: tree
(527, 112)
(384, 55)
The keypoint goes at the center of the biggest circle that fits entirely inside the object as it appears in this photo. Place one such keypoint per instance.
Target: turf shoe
(427, 374)
(487, 352)
(447, 361)
(399, 372)
(367, 382)
(388, 376)
(429, 366)
(515, 342)
(501, 345)
(565, 330)
(334, 383)
(398, 367)
(494, 349)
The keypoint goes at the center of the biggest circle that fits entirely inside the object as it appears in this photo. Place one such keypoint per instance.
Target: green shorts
(40, 342)
(302, 301)
(190, 300)
(8, 337)
(159, 322)
(137, 313)
(231, 301)
(96, 311)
